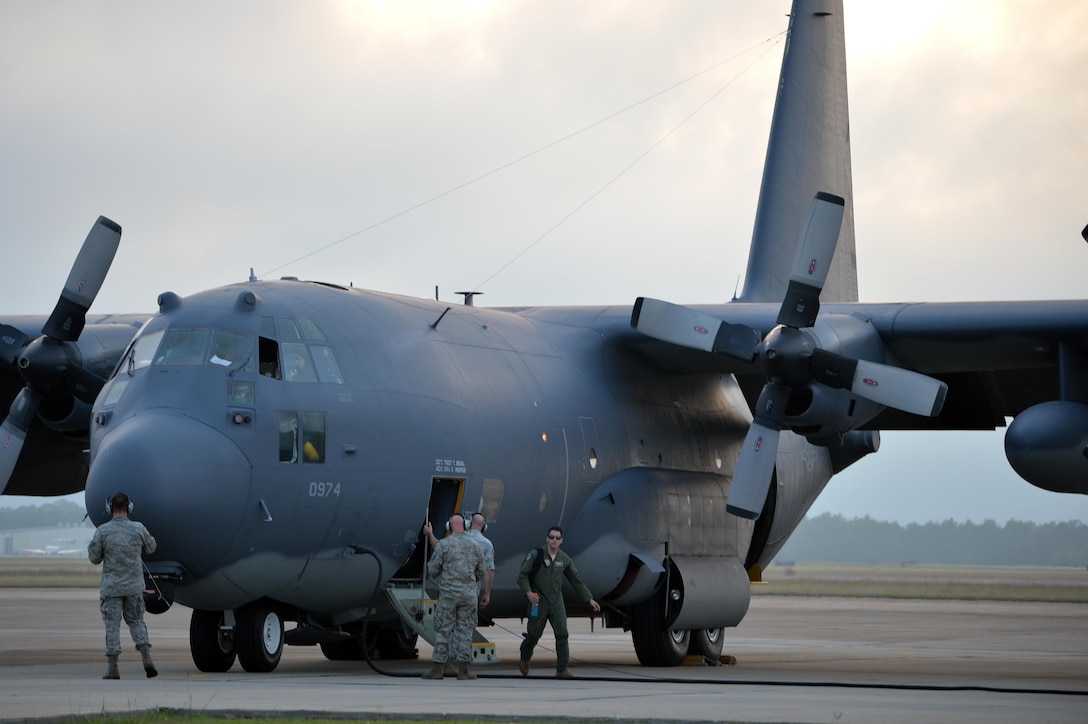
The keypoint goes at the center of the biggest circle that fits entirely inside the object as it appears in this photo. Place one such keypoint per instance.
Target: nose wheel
(211, 641)
(259, 637)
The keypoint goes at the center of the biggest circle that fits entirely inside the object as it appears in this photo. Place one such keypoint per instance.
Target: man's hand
(533, 597)
(595, 606)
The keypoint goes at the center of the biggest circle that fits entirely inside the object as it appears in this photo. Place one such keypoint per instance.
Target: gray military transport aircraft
(285, 440)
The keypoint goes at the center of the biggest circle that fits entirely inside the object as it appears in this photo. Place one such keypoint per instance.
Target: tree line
(45, 515)
(825, 538)
(829, 538)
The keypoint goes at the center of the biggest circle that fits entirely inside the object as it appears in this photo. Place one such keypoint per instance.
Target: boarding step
(416, 610)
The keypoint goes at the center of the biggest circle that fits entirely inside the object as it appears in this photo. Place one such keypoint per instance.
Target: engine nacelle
(1047, 445)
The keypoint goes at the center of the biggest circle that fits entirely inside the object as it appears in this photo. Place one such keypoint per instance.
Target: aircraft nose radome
(188, 484)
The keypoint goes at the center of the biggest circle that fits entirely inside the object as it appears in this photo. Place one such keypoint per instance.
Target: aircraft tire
(707, 642)
(351, 649)
(212, 650)
(654, 644)
(395, 645)
(259, 637)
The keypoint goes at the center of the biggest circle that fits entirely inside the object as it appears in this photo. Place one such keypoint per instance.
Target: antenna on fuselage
(435, 325)
(252, 278)
(468, 297)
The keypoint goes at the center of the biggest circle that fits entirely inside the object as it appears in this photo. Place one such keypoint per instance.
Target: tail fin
(808, 152)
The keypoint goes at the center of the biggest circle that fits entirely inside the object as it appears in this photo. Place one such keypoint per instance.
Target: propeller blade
(12, 342)
(812, 261)
(888, 385)
(83, 384)
(88, 272)
(691, 328)
(13, 432)
(755, 466)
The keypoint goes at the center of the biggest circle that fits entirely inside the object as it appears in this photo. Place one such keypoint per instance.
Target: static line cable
(773, 40)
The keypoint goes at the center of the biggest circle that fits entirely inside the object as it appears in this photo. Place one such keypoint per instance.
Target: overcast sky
(229, 135)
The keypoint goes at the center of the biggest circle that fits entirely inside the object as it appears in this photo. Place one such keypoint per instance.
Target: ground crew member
(460, 563)
(477, 525)
(119, 546)
(545, 588)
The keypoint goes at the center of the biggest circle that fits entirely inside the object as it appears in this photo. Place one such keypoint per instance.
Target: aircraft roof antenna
(251, 277)
(468, 297)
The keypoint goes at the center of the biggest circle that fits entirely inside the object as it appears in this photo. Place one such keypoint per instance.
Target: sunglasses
(555, 537)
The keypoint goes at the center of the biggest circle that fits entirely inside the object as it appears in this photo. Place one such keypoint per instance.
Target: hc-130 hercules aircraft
(309, 429)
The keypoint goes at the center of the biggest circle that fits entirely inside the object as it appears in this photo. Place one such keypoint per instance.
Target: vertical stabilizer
(808, 152)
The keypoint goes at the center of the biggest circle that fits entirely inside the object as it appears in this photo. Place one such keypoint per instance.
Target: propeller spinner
(790, 356)
(48, 364)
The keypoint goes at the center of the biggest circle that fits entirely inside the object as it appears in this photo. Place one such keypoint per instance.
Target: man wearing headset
(119, 546)
(460, 563)
(477, 526)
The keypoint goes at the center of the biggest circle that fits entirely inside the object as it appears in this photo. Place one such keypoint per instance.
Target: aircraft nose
(188, 484)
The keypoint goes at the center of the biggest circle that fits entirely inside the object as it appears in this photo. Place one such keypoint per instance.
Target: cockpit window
(328, 370)
(286, 331)
(143, 350)
(297, 366)
(232, 350)
(182, 347)
(310, 330)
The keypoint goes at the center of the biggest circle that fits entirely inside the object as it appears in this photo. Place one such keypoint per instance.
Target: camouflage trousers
(454, 622)
(131, 608)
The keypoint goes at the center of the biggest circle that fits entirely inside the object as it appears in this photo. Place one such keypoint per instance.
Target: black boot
(111, 667)
(145, 654)
(438, 670)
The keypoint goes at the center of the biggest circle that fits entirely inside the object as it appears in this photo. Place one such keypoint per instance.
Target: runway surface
(798, 660)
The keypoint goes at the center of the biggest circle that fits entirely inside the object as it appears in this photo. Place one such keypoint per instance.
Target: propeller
(790, 356)
(47, 363)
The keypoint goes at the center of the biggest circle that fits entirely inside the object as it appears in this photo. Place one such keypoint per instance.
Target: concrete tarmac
(798, 660)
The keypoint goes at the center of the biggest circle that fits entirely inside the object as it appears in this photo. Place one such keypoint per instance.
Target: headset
(466, 518)
(468, 521)
(122, 501)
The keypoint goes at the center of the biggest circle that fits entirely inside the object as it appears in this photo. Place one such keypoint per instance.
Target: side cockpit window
(143, 350)
(302, 353)
(302, 437)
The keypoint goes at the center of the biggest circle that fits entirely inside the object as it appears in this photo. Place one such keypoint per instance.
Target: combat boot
(463, 674)
(111, 667)
(145, 654)
(438, 670)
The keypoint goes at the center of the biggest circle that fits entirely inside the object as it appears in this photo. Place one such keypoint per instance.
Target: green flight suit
(548, 582)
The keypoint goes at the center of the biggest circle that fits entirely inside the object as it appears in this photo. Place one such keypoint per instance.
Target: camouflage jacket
(119, 546)
(458, 564)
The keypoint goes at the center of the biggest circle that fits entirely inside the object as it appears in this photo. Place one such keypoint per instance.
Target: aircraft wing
(997, 358)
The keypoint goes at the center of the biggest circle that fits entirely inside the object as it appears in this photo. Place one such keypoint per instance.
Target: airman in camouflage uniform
(458, 563)
(119, 546)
